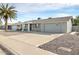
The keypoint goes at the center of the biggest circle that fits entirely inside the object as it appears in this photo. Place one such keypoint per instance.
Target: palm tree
(7, 13)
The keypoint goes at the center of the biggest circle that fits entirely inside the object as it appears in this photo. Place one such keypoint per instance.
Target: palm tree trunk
(6, 25)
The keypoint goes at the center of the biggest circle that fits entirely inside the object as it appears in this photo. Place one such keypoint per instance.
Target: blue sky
(31, 11)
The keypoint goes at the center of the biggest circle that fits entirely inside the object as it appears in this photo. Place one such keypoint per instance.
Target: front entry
(30, 27)
(9, 27)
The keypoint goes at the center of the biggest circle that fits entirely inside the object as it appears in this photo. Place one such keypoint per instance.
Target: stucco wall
(69, 26)
(14, 28)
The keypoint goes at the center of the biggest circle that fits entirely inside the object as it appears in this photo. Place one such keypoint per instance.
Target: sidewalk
(20, 48)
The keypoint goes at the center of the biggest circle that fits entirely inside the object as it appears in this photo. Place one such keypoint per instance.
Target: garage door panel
(54, 27)
(50, 28)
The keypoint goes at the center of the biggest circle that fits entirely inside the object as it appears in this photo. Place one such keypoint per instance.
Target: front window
(25, 25)
(36, 25)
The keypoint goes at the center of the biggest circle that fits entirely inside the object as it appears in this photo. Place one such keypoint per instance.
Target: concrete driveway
(26, 43)
(16, 47)
(35, 39)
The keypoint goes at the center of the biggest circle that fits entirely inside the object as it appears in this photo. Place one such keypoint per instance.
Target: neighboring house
(54, 25)
(17, 26)
(9, 27)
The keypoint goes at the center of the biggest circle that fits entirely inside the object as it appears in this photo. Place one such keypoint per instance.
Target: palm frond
(11, 7)
(2, 6)
(6, 6)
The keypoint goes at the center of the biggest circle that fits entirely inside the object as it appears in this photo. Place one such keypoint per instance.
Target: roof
(51, 20)
(18, 23)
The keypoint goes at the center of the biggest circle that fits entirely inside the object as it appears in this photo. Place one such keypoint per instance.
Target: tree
(50, 18)
(76, 21)
(38, 18)
(7, 13)
(0, 23)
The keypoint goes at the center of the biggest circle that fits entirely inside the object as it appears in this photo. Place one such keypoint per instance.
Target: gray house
(54, 25)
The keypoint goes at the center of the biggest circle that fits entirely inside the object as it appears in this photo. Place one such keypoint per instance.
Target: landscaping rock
(64, 45)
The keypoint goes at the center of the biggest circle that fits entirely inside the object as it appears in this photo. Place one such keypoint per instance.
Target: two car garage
(60, 27)
(57, 25)
(53, 27)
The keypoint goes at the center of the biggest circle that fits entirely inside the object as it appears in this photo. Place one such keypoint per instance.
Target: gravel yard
(64, 45)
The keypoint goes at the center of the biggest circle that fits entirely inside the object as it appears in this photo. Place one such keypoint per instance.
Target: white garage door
(54, 27)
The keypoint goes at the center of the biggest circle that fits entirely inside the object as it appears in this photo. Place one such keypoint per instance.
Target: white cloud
(62, 15)
(36, 7)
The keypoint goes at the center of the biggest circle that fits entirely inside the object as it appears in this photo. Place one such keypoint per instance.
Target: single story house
(54, 25)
